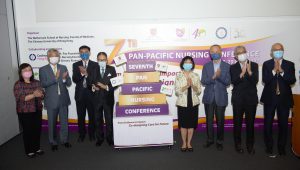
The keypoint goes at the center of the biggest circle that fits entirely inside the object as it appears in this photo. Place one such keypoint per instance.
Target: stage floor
(87, 156)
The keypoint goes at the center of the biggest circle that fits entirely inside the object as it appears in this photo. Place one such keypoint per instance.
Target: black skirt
(188, 116)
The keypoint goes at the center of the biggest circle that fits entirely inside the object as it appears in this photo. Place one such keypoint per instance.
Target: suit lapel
(283, 64)
(51, 71)
(106, 71)
(221, 65)
(272, 64)
(211, 70)
(238, 67)
(59, 68)
(88, 67)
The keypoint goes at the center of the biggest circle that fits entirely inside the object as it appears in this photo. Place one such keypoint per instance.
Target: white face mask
(242, 57)
(54, 60)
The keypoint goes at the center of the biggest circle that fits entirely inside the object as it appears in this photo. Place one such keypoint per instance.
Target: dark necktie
(84, 79)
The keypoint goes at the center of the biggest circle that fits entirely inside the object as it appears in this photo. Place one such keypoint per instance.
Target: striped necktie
(102, 72)
(55, 71)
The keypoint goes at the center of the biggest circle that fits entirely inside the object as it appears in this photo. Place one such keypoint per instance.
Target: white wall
(99, 10)
(9, 126)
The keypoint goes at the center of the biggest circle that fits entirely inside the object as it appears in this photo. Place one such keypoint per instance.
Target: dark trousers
(238, 113)
(31, 124)
(212, 110)
(107, 110)
(283, 116)
(83, 105)
(61, 112)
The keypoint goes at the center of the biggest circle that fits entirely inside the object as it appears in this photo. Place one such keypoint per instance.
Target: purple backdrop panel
(140, 66)
(141, 110)
(141, 88)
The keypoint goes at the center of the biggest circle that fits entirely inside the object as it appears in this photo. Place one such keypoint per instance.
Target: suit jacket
(285, 81)
(103, 96)
(244, 90)
(50, 84)
(182, 95)
(215, 89)
(78, 78)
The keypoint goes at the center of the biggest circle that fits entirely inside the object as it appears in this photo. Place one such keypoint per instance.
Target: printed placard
(117, 81)
(160, 66)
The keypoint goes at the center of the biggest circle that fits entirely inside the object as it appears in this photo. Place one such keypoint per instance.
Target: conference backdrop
(167, 42)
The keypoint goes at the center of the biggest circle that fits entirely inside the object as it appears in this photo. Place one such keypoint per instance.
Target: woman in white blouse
(187, 90)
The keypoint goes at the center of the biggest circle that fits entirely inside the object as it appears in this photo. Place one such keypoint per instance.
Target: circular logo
(32, 57)
(221, 32)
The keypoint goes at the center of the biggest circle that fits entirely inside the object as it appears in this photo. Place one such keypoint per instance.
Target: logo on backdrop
(221, 32)
(199, 32)
(32, 57)
(180, 32)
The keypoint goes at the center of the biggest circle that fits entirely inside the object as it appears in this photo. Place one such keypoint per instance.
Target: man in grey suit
(215, 77)
(55, 80)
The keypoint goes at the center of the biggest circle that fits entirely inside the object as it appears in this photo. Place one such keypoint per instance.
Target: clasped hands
(98, 86)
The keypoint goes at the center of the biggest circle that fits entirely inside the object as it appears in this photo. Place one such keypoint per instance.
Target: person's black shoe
(282, 153)
(269, 151)
(190, 149)
(40, 152)
(54, 148)
(80, 139)
(219, 147)
(99, 143)
(270, 154)
(207, 144)
(183, 149)
(31, 155)
(251, 151)
(67, 145)
(110, 142)
(239, 149)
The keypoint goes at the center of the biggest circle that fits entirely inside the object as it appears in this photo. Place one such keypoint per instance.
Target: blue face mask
(278, 54)
(84, 56)
(102, 63)
(215, 56)
(187, 66)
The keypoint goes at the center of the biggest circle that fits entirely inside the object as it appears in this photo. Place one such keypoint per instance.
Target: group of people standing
(94, 94)
(278, 75)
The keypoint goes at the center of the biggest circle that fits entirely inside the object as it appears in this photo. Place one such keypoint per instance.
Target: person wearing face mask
(187, 90)
(29, 94)
(215, 78)
(244, 99)
(55, 79)
(103, 99)
(278, 76)
(83, 94)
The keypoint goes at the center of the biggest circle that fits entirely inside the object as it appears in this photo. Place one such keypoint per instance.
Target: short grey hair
(238, 48)
(272, 48)
(51, 50)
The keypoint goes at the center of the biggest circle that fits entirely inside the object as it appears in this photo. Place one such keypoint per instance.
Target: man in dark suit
(244, 77)
(83, 94)
(215, 78)
(104, 99)
(278, 76)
